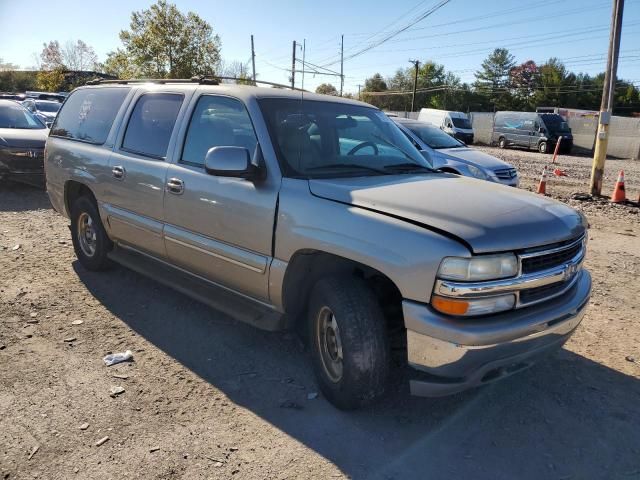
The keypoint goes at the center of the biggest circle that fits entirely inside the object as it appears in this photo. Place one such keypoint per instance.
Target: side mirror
(230, 162)
(541, 130)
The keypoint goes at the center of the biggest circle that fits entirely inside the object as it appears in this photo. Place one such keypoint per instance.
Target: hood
(23, 137)
(476, 157)
(486, 216)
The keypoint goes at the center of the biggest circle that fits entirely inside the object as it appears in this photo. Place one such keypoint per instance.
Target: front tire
(543, 147)
(502, 143)
(90, 241)
(349, 343)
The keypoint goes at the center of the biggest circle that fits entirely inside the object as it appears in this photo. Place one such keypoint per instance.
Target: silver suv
(293, 210)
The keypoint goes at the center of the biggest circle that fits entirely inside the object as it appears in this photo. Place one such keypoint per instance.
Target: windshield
(434, 137)
(49, 107)
(555, 123)
(316, 138)
(461, 123)
(15, 116)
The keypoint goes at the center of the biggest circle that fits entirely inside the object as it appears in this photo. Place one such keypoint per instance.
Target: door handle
(175, 186)
(118, 172)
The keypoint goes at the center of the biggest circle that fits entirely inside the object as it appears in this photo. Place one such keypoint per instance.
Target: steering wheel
(362, 145)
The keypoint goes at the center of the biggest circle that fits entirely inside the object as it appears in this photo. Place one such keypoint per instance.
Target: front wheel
(502, 142)
(543, 147)
(349, 343)
(90, 241)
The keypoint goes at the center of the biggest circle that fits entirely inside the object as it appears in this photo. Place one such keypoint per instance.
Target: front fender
(408, 254)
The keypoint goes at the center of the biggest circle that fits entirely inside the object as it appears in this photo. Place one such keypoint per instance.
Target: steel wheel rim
(86, 234)
(330, 344)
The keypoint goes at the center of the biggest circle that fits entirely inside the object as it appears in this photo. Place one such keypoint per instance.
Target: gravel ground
(207, 397)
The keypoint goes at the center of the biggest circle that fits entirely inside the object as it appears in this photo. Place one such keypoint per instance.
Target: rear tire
(349, 342)
(543, 147)
(90, 241)
(502, 142)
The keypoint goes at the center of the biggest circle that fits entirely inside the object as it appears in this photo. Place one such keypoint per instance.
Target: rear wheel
(90, 241)
(543, 147)
(349, 343)
(502, 142)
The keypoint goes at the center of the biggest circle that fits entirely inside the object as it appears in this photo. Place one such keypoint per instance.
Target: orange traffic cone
(618, 195)
(559, 173)
(542, 186)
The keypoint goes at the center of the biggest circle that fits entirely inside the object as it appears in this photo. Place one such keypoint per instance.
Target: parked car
(540, 131)
(22, 140)
(456, 124)
(317, 213)
(45, 110)
(451, 155)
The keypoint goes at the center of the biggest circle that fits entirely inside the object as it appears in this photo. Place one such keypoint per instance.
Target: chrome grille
(506, 173)
(547, 259)
(540, 293)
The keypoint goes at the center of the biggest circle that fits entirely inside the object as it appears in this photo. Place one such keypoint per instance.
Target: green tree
(327, 89)
(166, 43)
(51, 80)
(492, 80)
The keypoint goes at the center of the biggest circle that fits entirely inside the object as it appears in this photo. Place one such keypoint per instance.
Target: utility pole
(359, 91)
(293, 66)
(253, 60)
(606, 105)
(416, 64)
(341, 63)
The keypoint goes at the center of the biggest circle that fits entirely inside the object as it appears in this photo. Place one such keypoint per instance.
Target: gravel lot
(207, 397)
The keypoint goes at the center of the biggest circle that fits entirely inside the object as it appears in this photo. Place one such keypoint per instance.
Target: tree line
(500, 84)
(161, 42)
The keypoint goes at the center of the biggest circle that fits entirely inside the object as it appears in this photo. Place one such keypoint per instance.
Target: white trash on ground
(114, 358)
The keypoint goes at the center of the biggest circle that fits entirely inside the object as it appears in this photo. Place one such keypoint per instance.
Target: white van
(456, 124)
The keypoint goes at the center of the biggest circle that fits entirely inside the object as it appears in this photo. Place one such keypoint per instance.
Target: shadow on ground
(19, 197)
(566, 418)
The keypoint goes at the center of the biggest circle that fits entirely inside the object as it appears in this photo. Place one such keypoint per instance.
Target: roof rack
(202, 80)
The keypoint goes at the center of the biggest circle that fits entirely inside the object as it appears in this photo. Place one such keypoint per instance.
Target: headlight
(487, 267)
(473, 306)
(477, 172)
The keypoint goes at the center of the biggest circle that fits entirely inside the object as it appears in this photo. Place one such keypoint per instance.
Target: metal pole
(606, 105)
(341, 63)
(304, 51)
(253, 60)
(293, 66)
(416, 64)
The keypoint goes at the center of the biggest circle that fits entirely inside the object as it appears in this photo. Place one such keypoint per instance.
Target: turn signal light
(449, 306)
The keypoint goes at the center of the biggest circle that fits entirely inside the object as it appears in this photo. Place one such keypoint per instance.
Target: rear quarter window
(88, 114)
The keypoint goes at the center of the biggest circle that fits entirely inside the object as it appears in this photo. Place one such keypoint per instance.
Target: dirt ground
(207, 397)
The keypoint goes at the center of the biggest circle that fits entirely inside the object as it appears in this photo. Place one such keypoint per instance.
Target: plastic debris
(101, 441)
(115, 391)
(114, 358)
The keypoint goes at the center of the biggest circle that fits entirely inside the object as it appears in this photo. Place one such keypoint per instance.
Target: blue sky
(459, 35)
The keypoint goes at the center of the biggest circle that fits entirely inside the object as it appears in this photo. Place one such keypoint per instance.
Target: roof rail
(202, 80)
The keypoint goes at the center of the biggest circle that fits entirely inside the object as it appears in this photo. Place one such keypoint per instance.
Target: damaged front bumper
(453, 354)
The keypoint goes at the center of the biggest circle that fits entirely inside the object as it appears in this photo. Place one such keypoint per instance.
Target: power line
(389, 36)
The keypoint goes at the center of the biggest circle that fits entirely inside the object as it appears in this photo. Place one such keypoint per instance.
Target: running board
(226, 301)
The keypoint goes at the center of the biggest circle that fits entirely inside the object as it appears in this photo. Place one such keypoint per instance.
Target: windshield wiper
(408, 167)
(336, 166)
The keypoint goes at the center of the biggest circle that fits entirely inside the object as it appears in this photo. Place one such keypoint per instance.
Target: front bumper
(452, 355)
(467, 138)
(24, 165)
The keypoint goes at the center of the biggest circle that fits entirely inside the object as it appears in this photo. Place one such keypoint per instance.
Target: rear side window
(88, 114)
(151, 124)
